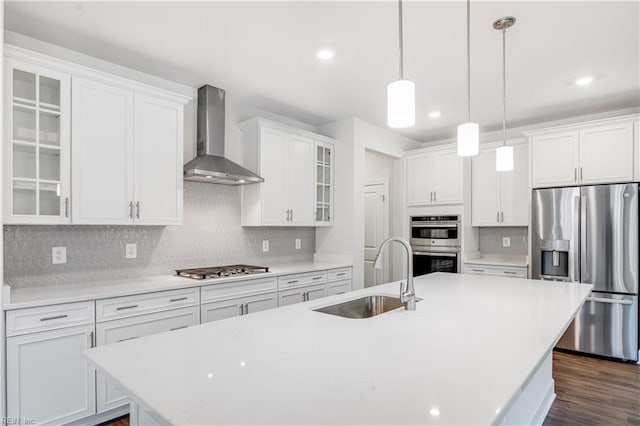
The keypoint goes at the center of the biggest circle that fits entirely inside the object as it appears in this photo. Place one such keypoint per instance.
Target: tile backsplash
(210, 235)
(491, 241)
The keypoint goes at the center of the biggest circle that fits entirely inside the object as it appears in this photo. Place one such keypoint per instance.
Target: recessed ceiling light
(583, 81)
(434, 412)
(325, 54)
(434, 114)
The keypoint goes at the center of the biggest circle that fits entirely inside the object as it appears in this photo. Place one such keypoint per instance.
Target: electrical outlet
(298, 243)
(131, 251)
(265, 245)
(506, 242)
(58, 255)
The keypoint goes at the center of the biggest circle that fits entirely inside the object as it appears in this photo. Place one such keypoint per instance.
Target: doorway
(376, 230)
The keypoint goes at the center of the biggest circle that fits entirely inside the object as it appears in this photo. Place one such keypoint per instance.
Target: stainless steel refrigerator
(590, 235)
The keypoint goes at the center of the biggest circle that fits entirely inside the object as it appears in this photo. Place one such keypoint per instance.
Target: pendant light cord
(400, 39)
(468, 60)
(504, 87)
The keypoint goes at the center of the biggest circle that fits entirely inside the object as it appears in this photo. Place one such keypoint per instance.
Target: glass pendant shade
(468, 139)
(504, 159)
(401, 104)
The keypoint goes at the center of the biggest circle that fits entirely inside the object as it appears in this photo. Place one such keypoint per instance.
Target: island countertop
(462, 357)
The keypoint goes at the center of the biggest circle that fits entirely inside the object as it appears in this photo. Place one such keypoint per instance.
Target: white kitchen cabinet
(503, 271)
(434, 177)
(126, 157)
(302, 294)
(286, 159)
(338, 287)
(236, 307)
(583, 154)
(37, 144)
(500, 198)
(48, 378)
(108, 395)
(324, 183)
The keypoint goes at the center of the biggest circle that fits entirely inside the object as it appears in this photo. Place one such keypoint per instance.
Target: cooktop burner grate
(221, 271)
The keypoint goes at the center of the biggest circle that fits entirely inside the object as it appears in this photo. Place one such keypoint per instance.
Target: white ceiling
(264, 53)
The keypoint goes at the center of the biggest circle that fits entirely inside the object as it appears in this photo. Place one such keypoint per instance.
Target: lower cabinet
(236, 307)
(303, 294)
(48, 378)
(505, 271)
(338, 287)
(108, 395)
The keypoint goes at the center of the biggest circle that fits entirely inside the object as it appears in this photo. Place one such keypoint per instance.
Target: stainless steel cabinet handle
(178, 299)
(317, 278)
(580, 173)
(241, 309)
(341, 274)
(575, 174)
(137, 209)
(130, 209)
(66, 207)
(292, 282)
(122, 308)
(291, 215)
(287, 217)
(54, 317)
(246, 308)
(509, 272)
(304, 296)
(501, 216)
(435, 196)
(128, 338)
(91, 340)
(178, 328)
(478, 270)
(431, 197)
(498, 217)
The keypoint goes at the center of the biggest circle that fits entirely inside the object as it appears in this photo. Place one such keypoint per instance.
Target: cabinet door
(485, 190)
(289, 297)
(102, 154)
(606, 153)
(301, 188)
(108, 395)
(324, 184)
(516, 197)
(158, 161)
(338, 287)
(419, 185)
(37, 145)
(315, 292)
(221, 310)
(48, 378)
(274, 147)
(554, 159)
(447, 178)
(261, 302)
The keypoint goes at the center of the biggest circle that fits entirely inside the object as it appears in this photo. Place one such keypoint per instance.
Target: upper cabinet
(590, 153)
(89, 148)
(37, 144)
(434, 176)
(500, 198)
(297, 167)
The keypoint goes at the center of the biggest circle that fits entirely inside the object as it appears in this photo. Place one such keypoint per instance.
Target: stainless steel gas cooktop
(221, 271)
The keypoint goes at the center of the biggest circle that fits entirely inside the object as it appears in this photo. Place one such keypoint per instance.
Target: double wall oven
(435, 241)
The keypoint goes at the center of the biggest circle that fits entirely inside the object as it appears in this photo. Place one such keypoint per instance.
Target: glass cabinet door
(324, 184)
(37, 145)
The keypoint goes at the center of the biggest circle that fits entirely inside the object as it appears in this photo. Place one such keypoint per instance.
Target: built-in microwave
(435, 241)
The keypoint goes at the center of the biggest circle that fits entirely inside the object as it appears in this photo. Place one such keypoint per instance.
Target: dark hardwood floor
(590, 391)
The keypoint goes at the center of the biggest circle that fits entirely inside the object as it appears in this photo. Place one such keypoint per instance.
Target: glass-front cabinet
(36, 144)
(324, 184)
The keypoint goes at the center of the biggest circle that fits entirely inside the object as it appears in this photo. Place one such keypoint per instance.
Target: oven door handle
(435, 253)
(439, 225)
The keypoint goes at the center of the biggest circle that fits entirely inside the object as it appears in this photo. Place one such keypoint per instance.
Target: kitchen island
(476, 350)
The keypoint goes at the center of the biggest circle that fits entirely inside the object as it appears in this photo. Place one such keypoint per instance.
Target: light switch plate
(58, 255)
(506, 242)
(131, 251)
(265, 245)
(298, 243)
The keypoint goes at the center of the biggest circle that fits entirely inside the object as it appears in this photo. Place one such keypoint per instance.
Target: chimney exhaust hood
(210, 164)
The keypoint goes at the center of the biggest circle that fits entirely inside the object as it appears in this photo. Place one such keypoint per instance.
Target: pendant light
(504, 154)
(469, 132)
(401, 94)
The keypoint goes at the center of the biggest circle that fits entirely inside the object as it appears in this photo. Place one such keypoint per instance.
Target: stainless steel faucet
(408, 295)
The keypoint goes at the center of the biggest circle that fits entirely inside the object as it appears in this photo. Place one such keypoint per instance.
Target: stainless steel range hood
(210, 164)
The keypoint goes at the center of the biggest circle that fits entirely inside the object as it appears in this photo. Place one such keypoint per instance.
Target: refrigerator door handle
(603, 300)
(583, 238)
(576, 239)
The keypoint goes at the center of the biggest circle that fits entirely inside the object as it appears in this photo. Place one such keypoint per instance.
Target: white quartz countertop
(495, 260)
(461, 358)
(26, 297)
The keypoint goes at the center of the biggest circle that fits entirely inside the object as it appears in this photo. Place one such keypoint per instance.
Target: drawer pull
(317, 278)
(509, 272)
(122, 308)
(128, 338)
(178, 328)
(178, 299)
(54, 317)
(292, 282)
(478, 270)
(341, 274)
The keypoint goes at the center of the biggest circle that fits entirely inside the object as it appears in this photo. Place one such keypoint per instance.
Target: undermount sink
(364, 307)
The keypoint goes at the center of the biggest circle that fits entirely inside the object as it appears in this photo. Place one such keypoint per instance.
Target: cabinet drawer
(237, 289)
(339, 274)
(128, 306)
(30, 320)
(339, 287)
(299, 280)
(496, 270)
